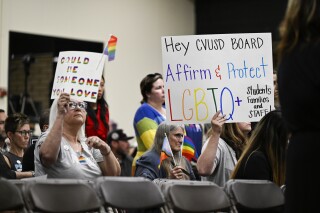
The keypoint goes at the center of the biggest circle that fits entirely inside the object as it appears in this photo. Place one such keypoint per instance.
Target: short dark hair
(147, 83)
(15, 121)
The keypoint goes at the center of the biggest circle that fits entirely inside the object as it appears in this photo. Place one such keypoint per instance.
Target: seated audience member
(264, 157)
(28, 157)
(64, 150)
(3, 135)
(5, 170)
(173, 167)
(222, 149)
(18, 131)
(119, 143)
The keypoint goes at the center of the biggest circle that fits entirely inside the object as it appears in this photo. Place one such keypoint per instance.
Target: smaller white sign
(79, 74)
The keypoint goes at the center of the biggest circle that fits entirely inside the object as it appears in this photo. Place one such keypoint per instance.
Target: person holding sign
(222, 149)
(97, 123)
(65, 152)
(299, 89)
(164, 159)
(150, 114)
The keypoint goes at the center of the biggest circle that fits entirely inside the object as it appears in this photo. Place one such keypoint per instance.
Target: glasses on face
(80, 105)
(24, 133)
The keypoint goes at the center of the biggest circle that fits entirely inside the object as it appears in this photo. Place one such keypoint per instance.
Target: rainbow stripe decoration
(188, 149)
(110, 49)
(82, 160)
(166, 150)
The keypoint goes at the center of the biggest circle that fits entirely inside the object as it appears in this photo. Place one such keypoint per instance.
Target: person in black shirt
(299, 87)
(264, 157)
(119, 143)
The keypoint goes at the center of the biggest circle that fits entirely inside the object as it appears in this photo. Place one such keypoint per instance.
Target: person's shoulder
(144, 111)
(144, 108)
(258, 155)
(149, 156)
(222, 143)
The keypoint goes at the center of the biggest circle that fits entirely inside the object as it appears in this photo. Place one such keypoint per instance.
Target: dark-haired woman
(97, 123)
(264, 158)
(150, 114)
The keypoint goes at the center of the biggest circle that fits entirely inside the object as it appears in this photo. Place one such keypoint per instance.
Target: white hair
(53, 116)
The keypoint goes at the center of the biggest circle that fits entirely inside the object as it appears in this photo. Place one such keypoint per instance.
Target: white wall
(138, 24)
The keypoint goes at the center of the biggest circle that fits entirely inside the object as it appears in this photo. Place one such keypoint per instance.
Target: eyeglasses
(80, 105)
(24, 133)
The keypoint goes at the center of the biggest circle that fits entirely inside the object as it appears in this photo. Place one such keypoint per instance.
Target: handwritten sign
(232, 73)
(78, 74)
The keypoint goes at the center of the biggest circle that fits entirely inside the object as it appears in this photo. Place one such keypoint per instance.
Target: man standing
(119, 143)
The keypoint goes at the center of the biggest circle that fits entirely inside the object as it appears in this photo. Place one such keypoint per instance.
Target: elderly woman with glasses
(65, 152)
(18, 131)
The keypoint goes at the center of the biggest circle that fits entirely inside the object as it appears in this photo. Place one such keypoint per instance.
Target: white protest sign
(78, 73)
(203, 74)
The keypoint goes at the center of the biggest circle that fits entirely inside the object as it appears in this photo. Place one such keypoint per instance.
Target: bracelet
(33, 173)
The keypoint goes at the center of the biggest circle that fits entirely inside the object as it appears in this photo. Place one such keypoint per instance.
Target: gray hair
(162, 130)
(53, 116)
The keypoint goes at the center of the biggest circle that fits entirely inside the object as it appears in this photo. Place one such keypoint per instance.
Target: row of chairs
(137, 194)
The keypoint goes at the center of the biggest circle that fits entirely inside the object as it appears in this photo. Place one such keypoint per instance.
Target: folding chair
(130, 194)
(21, 182)
(255, 195)
(10, 197)
(61, 195)
(194, 196)
(283, 188)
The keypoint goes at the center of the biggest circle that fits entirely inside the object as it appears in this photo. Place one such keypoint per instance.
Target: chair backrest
(195, 196)
(129, 193)
(21, 182)
(283, 188)
(10, 196)
(255, 195)
(61, 195)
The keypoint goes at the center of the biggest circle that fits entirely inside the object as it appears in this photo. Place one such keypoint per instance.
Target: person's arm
(110, 165)
(20, 175)
(50, 148)
(205, 163)
(146, 127)
(6, 172)
(145, 172)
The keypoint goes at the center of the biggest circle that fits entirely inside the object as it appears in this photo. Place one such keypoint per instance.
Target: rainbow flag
(166, 150)
(110, 49)
(188, 149)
